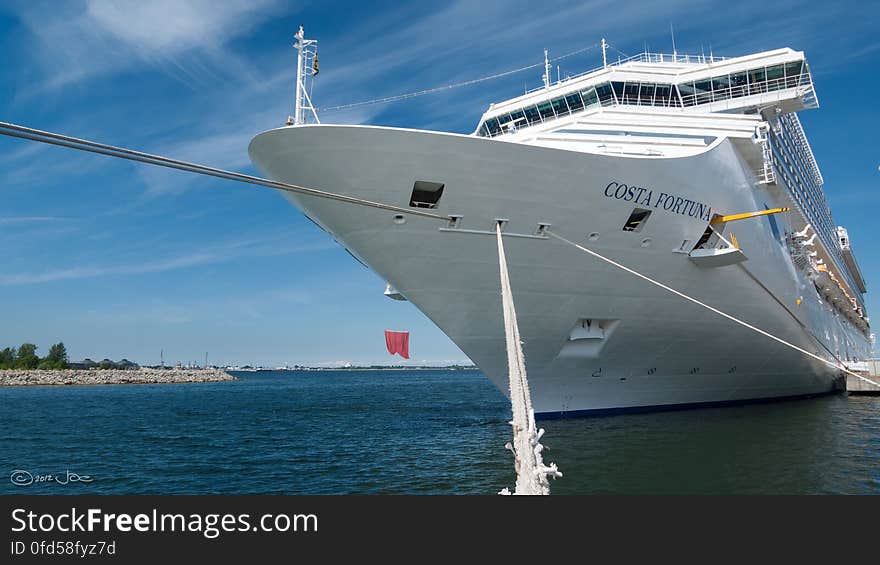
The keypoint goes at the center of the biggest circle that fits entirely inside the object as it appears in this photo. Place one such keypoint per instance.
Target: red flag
(397, 342)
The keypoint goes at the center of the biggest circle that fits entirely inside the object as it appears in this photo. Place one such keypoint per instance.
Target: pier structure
(857, 386)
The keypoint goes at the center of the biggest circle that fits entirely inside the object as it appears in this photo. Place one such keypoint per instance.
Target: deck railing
(739, 91)
(643, 58)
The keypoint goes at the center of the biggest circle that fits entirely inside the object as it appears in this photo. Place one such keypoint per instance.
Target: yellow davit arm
(743, 216)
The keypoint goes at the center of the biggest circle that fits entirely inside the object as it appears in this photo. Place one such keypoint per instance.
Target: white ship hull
(658, 350)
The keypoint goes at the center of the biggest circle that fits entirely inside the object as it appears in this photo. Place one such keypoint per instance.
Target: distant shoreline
(75, 377)
(395, 368)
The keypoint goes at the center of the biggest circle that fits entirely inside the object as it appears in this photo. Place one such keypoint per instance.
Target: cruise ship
(694, 171)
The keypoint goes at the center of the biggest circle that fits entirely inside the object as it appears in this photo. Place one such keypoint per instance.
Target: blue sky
(120, 259)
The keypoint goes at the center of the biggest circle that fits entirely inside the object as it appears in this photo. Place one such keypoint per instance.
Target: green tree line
(25, 357)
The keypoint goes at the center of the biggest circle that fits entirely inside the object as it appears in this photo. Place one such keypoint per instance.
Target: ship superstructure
(657, 105)
(695, 170)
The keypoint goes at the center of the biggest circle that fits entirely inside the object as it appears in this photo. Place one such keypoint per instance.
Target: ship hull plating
(648, 348)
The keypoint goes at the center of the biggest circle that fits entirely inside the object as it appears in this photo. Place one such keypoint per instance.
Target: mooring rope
(14, 130)
(840, 367)
(531, 473)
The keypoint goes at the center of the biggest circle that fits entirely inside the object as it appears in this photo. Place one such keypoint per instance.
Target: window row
(600, 94)
(605, 94)
(744, 83)
(733, 85)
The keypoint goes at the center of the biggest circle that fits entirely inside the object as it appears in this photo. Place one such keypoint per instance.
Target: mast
(546, 76)
(604, 54)
(297, 111)
(306, 69)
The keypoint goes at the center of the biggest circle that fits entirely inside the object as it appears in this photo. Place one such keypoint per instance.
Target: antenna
(162, 357)
(672, 33)
(546, 76)
(604, 53)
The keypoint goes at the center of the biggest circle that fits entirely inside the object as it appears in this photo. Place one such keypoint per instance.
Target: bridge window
(630, 93)
(605, 94)
(517, 119)
(646, 94)
(793, 69)
(590, 97)
(503, 121)
(687, 93)
(721, 87)
(546, 110)
(532, 115)
(661, 98)
(560, 107)
(618, 91)
(703, 91)
(674, 97)
(493, 126)
(775, 77)
(738, 84)
(756, 81)
(574, 101)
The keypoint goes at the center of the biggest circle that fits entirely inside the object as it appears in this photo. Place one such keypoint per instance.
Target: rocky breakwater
(43, 377)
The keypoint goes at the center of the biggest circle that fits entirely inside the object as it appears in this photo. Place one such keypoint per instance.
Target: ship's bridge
(689, 84)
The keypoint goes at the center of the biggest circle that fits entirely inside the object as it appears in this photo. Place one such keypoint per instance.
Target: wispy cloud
(223, 144)
(20, 220)
(86, 40)
(219, 254)
(26, 233)
(171, 26)
(165, 311)
(465, 39)
(226, 150)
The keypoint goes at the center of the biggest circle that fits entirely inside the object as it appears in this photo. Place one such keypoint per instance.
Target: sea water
(411, 432)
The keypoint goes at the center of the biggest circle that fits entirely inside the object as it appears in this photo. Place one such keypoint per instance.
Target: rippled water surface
(431, 432)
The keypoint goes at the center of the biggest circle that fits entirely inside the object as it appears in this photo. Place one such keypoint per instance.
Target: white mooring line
(22, 132)
(532, 476)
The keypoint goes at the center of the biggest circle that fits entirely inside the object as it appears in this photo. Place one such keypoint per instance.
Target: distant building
(104, 364)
